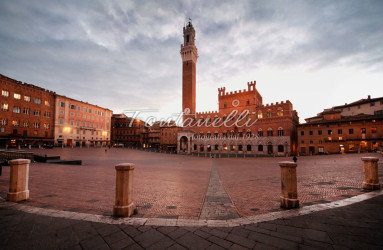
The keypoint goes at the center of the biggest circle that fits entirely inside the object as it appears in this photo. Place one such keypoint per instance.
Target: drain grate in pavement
(326, 182)
(364, 190)
(51, 195)
(308, 203)
(323, 201)
(171, 207)
(147, 206)
(168, 217)
(92, 201)
(254, 209)
(346, 188)
(45, 206)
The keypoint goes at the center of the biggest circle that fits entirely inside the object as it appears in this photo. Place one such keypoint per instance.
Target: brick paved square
(163, 181)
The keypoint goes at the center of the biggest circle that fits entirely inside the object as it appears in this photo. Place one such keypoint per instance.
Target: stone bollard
(18, 183)
(289, 192)
(124, 206)
(371, 177)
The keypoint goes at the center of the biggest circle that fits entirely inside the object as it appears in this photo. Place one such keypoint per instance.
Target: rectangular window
(2, 130)
(47, 114)
(311, 132)
(319, 132)
(46, 125)
(303, 150)
(373, 130)
(27, 98)
(269, 133)
(38, 100)
(71, 114)
(4, 107)
(321, 150)
(26, 111)
(36, 125)
(3, 121)
(363, 130)
(61, 112)
(25, 124)
(15, 123)
(17, 96)
(36, 113)
(62, 104)
(339, 131)
(329, 132)
(61, 121)
(260, 148)
(372, 104)
(46, 103)
(302, 132)
(5, 93)
(72, 107)
(78, 108)
(71, 122)
(351, 131)
(16, 110)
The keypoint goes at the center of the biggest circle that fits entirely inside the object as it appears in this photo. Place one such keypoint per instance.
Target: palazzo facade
(242, 124)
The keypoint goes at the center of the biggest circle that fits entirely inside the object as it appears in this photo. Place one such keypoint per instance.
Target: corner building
(350, 128)
(80, 124)
(242, 124)
(26, 115)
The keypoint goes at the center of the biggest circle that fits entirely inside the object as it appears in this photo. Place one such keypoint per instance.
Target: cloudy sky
(124, 55)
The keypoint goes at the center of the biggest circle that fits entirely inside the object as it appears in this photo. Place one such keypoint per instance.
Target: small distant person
(295, 158)
(106, 150)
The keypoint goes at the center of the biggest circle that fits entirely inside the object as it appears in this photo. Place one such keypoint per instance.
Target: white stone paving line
(187, 222)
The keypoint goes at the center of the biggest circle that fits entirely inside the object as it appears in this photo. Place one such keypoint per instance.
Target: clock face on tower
(235, 102)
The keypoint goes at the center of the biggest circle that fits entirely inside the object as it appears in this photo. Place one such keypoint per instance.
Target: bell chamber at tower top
(189, 51)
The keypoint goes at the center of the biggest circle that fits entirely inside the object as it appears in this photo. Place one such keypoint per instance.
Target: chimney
(369, 97)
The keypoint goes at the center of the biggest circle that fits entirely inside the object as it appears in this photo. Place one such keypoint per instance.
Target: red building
(242, 124)
(26, 115)
(128, 132)
(168, 136)
(349, 128)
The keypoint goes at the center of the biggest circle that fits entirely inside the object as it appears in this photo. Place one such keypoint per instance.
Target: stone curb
(186, 222)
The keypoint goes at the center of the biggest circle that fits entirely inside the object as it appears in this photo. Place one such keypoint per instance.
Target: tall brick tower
(189, 54)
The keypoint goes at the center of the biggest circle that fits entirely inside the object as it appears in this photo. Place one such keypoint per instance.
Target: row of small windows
(17, 96)
(78, 131)
(83, 124)
(232, 134)
(25, 124)
(281, 148)
(26, 111)
(340, 131)
(232, 118)
(78, 108)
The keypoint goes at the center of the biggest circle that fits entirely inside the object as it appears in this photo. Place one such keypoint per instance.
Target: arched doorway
(184, 144)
